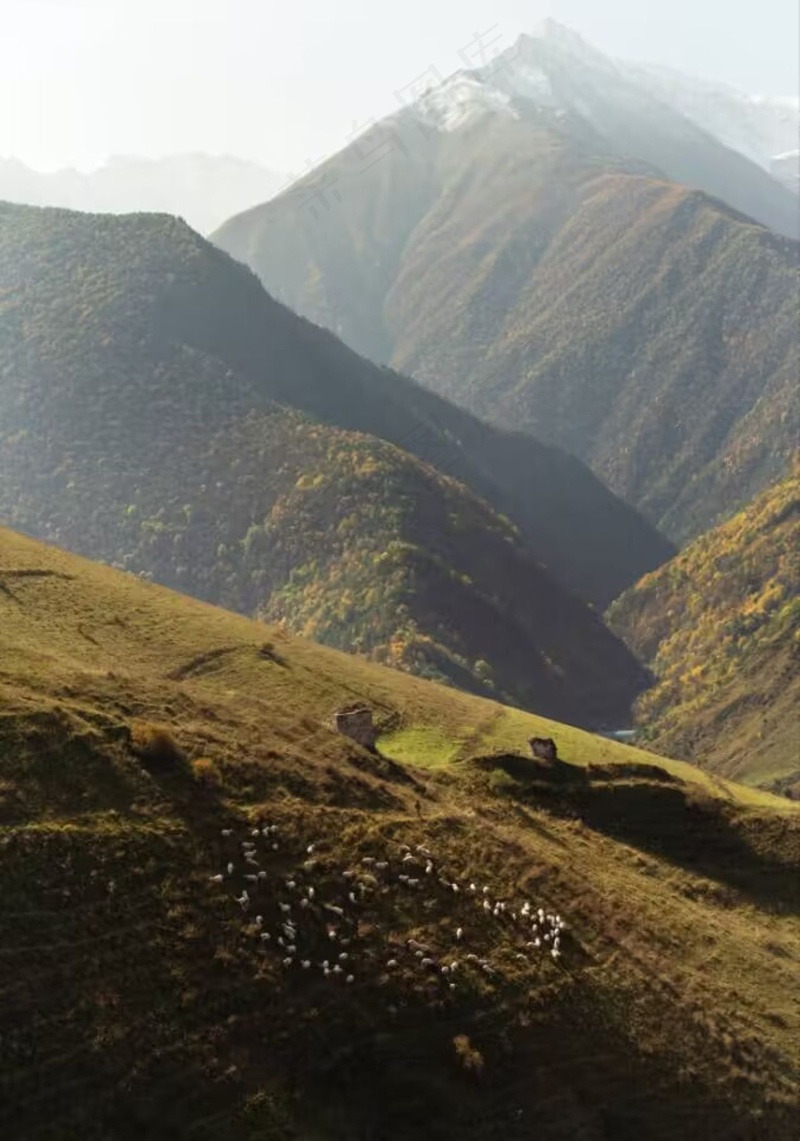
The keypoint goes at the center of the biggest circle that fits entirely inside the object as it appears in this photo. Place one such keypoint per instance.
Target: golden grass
(148, 1003)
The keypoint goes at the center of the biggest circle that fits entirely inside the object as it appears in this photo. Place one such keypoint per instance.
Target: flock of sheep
(323, 917)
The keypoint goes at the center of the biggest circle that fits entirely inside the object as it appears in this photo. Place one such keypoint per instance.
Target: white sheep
(217, 879)
(350, 979)
(226, 832)
(459, 933)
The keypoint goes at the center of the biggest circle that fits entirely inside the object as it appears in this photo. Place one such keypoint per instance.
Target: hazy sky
(286, 83)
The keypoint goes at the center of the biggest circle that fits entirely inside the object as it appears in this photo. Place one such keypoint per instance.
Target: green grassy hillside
(138, 998)
(546, 280)
(720, 626)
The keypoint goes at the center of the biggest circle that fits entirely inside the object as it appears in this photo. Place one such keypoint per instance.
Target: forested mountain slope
(720, 626)
(535, 263)
(149, 396)
(145, 737)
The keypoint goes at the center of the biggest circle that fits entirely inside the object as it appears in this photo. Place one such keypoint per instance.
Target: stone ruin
(543, 749)
(355, 722)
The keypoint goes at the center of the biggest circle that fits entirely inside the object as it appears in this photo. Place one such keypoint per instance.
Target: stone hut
(543, 749)
(355, 722)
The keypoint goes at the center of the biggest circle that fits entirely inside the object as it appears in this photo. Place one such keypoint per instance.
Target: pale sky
(285, 83)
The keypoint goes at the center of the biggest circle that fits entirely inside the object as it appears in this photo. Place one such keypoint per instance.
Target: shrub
(156, 745)
(470, 1058)
(206, 772)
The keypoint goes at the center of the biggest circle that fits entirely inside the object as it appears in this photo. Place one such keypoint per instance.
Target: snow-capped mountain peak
(463, 98)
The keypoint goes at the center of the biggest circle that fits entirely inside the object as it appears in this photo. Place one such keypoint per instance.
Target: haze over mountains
(551, 246)
(203, 189)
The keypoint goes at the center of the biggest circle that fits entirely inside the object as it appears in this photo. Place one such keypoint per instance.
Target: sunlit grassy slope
(137, 999)
(720, 627)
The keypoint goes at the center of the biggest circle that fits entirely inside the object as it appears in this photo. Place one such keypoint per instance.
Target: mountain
(145, 736)
(786, 168)
(720, 627)
(759, 127)
(203, 189)
(159, 411)
(514, 246)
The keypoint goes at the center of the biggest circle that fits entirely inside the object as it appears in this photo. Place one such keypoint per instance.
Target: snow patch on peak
(459, 101)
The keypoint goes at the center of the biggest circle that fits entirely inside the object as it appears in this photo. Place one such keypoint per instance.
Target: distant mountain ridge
(161, 412)
(519, 248)
(203, 189)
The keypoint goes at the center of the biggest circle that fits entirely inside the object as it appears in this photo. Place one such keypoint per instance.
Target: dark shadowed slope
(720, 626)
(138, 998)
(146, 379)
(524, 261)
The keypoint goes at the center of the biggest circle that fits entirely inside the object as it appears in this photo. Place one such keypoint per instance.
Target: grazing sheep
(230, 869)
(350, 979)
(251, 879)
(262, 875)
(285, 908)
(217, 879)
(226, 832)
(459, 932)
(392, 964)
(287, 962)
(306, 963)
(265, 936)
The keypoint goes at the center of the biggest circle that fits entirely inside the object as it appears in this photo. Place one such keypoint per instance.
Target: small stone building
(543, 749)
(355, 722)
